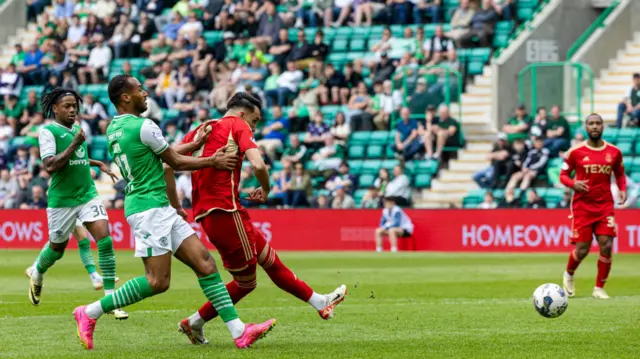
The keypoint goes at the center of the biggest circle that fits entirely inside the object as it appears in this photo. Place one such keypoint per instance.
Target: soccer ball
(550, 300)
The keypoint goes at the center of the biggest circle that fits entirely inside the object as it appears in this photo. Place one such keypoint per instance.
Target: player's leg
(380, 233)
(582, 238)
(605, 232)
(84, 250)
(94, 216)
(394, 233)
(60, 222)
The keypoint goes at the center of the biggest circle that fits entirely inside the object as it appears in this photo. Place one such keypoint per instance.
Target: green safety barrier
(599, 23)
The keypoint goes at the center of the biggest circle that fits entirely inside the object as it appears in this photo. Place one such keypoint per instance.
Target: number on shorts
(123, 164)
(610, 222)
(99, 211)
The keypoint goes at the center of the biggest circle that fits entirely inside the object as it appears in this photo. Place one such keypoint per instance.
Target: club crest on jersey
(608, 158)
(80, 152)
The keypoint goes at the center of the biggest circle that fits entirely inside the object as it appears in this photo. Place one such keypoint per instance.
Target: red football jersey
(214, 188)
(595, 165)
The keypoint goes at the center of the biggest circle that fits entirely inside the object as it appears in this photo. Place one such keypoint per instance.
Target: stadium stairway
(614, 82)
(22, 36)
(455, 181)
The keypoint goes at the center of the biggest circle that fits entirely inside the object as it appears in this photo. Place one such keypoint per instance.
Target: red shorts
(605, 226)
(234, 236)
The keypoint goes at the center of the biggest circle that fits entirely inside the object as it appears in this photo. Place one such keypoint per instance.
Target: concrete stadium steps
(22, 36)
(453, 183)
(614, 82)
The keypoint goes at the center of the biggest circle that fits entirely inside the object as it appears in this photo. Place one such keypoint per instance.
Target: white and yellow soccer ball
(550, 300)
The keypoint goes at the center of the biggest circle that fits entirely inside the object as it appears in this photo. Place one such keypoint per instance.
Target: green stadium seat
(429, 166)
(422, 180)
(627, 134)
(635, 164)
(470, 205)
(476, 195)
(625, 148)
(213, 36)
(527, 3)
(358, 45)
(355, 167)
(339, 45)
(361, 32)
(525, 14)
(375, 151)
(610, 135)
(366, 180)
(371, 167)
(389, 164)
(337, 59)
(501, 40)
(554, 194)
(475, 68)
(358, 195)
(410, 167)
(376, 33)
(356, 151)
(277, 166)
(378, 138)
(627, 160)
(344, 32)
(17, 141)
(504, 27)
(635, 177)
(360, 138)
(481, 54)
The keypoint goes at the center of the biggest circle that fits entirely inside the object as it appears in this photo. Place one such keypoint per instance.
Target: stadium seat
(525, 14)
(371, 167)
(355, 167)
(627, 134)
(375, 151)
(378, 138)
(430, 167)
(610, 135)
(358, 195)
(366, 180)
(389, 164)
(358, 45)
(356, 151)
(360, 138)
(422, 180)
(625, 148)
(339, 45)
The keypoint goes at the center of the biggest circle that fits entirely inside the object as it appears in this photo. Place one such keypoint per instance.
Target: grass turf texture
(406, 305)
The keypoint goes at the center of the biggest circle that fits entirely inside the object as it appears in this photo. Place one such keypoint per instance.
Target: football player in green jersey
(72, 194)
(139, 149)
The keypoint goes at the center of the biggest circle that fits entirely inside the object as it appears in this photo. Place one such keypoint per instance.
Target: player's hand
(581, 186)
(224, 161)
(623, 197)
(258, 195)
(182, 213)
(79, 137)
(203, 133)
(106, 169)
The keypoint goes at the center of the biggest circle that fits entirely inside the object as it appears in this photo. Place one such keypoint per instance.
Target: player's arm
(259, 169)
(104, 168)
(50, 160)
(151, 135)
(621, 179)
(568, 166)
(172, 192)
(198, 141)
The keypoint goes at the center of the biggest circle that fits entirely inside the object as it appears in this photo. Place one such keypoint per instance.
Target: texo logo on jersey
(595, 169)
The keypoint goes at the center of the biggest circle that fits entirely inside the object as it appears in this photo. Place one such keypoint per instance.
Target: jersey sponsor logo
(596, 169)
(80, 152)
(63, 135)
(79, 162)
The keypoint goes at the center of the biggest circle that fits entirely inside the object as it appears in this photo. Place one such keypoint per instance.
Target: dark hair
(596, 115)
(117, 86)
(244, 100)
(52, 98)
(636, 76)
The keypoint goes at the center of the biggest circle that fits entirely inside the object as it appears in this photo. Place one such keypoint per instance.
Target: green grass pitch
(406, 305)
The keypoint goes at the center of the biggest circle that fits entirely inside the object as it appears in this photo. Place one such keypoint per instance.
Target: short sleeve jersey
(72, 184)
(135, 143)
(214, 188)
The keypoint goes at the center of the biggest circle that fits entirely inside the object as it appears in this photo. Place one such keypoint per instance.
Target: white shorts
(158, 231)
(62, 221)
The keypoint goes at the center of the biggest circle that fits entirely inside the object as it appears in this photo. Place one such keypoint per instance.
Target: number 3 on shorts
(99, 210)
(610, 222)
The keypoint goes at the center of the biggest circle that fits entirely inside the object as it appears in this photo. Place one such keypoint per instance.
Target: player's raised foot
(568, 284)
(98, 283)
(196, 336)
(333, 299)
(254, 332)
(34, 291)
(86, 325)
(29, 271)
(119, 314)
(599, 293)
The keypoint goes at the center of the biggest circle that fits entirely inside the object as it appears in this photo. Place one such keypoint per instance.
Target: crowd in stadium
(194, 54)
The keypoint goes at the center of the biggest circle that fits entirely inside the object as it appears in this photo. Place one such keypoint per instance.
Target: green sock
(218, 295)
(131, 292)
(46, 259)
(84, 249)
(107, 262)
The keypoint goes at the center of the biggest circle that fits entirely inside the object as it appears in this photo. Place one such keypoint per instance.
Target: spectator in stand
(281, 48)
(121, 39)
(63, 9)
(248, 183)
(630, 105)
(382, 180)
(394, 224)
(171, 30)
(519, 152)
(342, 200)
(317, 132)
(287, 83)
(6, 134)
(489, 202)
(30, 132)
(539, 122)
(8, 190)
(105, 8)
(299, 188)
(461, 20)
(535, 163)
(558, 132)
(399, 188)
(364, 120)
(342, 178)
(371, 199)
(14, 111)
(407, 143)
(318, 49)
(322, 201)
(193, 26)
(296, 152)
(274, 133)
(167, 85)
(340, 130)
(183, 184)
(431, 7)
(565, 202)
(369, 10)
(505, 8)
(269, 25)
(333, 81)
(534, 201)
(447, 132)
(301, 52)
(353, 79)
(510, 200)
(10, 82)
(32, 69)
(482, 26)
(422, 100)
(340, 12)
(383, 68)
(98, 63)
(499, 157)
(518, 126)
(382, 46)
(438, 48)
(330, 156)
(37, 199)
(32, 106)
(305, 106)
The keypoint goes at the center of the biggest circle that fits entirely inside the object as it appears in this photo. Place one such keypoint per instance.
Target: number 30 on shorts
(100, 211)
(611, 222)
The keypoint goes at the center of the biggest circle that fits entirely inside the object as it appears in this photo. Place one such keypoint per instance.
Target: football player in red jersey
(216, 206)
(594, 162)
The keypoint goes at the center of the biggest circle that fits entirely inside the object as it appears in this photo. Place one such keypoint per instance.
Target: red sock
(604, 267)
(573, 263)
(284, 278)
(237, 290)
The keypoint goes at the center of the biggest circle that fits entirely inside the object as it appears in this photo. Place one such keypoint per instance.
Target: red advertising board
(343, 230)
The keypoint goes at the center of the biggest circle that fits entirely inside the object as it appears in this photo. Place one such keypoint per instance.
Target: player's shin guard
(107, 262)
(46, 259)
(243, 283)
(84, 250)
(604, 267)
(131, 292)
(284, 278)
(573, 263)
